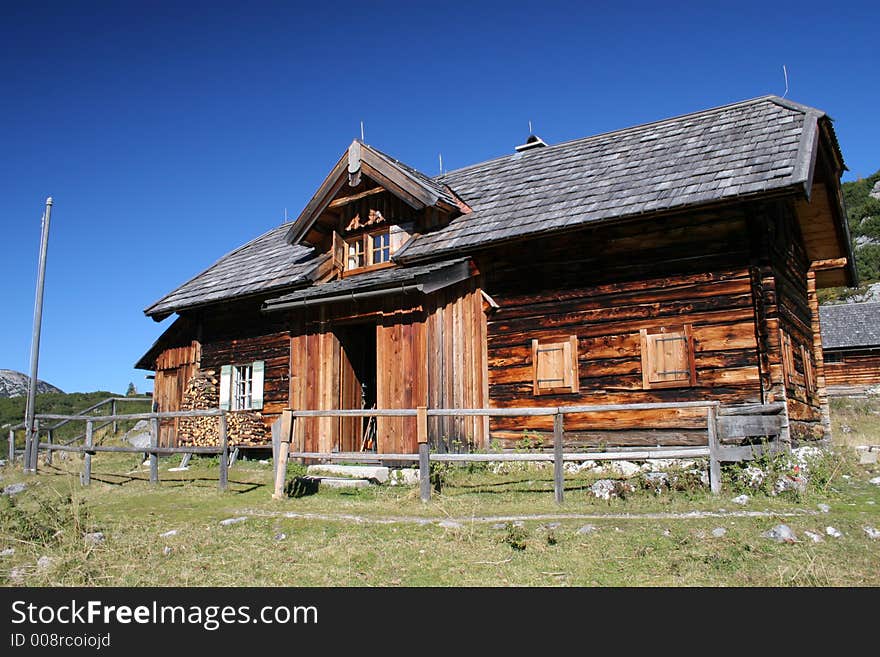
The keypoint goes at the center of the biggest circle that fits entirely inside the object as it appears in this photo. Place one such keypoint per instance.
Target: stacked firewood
(202, 393)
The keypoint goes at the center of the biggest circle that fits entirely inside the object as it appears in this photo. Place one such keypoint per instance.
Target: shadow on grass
(113, 479)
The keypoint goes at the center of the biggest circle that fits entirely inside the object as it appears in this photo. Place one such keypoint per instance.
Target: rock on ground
(753, 476)
(832, 532)
(44, 563)
(813, 536)
(139, 435)
(166, 550)
(718, 532)
(741, 499)
(872, 532)
(875, 481)
(605, 489)
(169, 533)
(404, 477)
(14, 489)
(94, 538)
(824, 508)
(623, 468)
(8, 552)
(233, 521)
(781, 534)
(586, 529)
(788, 483)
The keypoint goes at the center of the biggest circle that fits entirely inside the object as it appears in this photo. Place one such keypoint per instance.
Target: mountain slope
(15, 384)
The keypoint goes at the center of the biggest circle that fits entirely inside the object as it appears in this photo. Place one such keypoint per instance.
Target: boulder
(625, 469)
(342, 482)
(875, 481)
(139, 435)
(656, 480)
(781, 534)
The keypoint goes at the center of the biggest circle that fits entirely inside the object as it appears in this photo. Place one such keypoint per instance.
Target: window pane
(242, 387)
(381, 248)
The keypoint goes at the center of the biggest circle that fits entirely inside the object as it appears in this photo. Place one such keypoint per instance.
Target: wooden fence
(111, 403)
(88, 449)
(723, 424)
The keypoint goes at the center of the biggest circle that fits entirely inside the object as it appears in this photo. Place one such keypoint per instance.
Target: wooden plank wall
(402, 377)
(174, 368)
(856, 369)
(457, 366)
(604, 285)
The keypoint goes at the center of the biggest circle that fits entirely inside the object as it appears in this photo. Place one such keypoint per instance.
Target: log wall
(604, 286)
(856, 369)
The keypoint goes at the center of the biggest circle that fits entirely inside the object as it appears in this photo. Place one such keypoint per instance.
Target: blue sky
(171, 133)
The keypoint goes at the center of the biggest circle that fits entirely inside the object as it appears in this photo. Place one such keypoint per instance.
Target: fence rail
(714, 450)
(89, 449)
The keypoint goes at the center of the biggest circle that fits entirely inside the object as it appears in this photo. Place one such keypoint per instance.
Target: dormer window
(368, 249)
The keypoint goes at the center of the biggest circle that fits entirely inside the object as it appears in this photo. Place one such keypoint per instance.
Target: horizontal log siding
(603, 286)
(238, 333)
(856, 369)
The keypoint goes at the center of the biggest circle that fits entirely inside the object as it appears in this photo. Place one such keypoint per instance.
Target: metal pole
(35, 339)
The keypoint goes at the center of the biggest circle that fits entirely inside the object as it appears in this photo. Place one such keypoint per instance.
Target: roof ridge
(788, 104)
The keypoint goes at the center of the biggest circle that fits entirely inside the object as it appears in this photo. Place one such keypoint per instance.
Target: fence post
(714, 465)
(224, 454)
(288, 426)
(87, 455)
(154, 445)
(35, 447)
(424, 453)
(49, 451)
(12, 447)
(113, 412)
(558, 472)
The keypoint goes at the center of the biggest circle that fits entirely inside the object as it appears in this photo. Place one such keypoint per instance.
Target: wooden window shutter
(225, 387)
(809, 370)
(338, 252)
(668, 358)
(258, 375)
(787, 359)
(555, 366)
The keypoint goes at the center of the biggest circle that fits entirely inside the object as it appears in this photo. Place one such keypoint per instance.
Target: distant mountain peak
(15, 384)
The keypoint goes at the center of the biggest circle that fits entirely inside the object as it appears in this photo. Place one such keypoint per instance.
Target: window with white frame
(241, 386)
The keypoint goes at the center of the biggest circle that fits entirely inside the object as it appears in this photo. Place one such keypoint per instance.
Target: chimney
(534, 141)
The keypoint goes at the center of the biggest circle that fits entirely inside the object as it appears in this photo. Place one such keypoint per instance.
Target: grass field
(384, 536)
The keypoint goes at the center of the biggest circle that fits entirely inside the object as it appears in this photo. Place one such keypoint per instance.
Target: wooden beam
(714, 464)
(154, 457)
(829, 263)
(345, 200)
(223, 482)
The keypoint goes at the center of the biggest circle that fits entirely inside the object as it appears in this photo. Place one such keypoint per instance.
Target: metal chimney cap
(534, 141)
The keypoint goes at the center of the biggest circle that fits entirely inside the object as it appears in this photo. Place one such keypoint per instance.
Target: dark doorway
(357, 385)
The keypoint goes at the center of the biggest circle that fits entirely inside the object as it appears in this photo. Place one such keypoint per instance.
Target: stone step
(342, 482)
(375, 473)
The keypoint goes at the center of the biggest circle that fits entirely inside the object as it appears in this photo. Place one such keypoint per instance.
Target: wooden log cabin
(668, 262)
(851, 347)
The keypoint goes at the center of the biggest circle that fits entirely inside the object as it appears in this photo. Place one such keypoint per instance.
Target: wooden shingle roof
(760, 146)
(264, 264)
(756, 146)
(850, 325)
